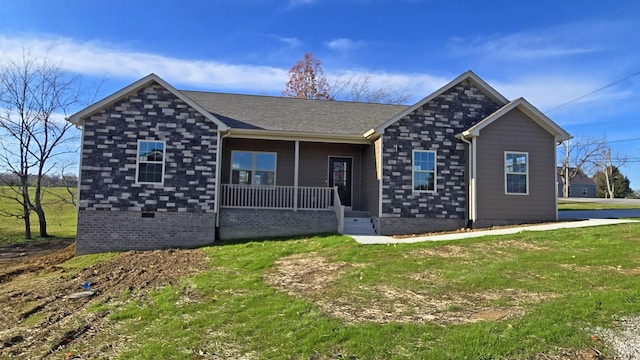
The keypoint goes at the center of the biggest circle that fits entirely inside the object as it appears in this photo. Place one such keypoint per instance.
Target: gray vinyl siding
(370, 179)
(285, 157)
(515, 132)
(313, 166)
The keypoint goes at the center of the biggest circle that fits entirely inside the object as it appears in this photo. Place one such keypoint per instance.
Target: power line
(594, 91)
(623, 140)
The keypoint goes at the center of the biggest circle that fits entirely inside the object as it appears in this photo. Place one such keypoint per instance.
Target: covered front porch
(295, 179)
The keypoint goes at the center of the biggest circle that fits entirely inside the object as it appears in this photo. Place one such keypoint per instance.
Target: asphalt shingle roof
(291, 114)
(579, 179)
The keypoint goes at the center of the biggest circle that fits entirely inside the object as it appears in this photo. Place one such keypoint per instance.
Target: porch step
(358, 226)
(356, 214)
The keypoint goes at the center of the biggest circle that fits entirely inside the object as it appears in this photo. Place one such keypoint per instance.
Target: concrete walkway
(379, 239)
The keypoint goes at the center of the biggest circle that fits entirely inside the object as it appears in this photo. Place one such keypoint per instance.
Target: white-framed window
(424, 170)
(516, 172)
(253, 168)
(150, 162)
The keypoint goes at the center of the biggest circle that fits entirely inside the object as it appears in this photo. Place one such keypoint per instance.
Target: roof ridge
(292, 98)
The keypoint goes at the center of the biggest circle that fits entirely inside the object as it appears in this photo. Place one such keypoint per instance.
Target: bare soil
(311, 276)
(38, 319)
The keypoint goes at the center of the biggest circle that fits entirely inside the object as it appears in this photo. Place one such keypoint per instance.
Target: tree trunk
(42, 221)
(27, 221)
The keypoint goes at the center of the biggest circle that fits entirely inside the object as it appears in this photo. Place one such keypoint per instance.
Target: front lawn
(534, 295)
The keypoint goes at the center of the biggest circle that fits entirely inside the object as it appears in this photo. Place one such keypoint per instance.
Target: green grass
(61, 218)
(566, 205)
(233, 311)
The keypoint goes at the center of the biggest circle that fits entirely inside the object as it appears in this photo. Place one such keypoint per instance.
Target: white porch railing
(276, 197)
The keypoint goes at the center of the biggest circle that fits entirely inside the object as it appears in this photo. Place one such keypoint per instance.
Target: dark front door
(340, 176)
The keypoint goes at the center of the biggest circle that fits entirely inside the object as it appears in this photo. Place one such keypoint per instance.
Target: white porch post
(295, 176)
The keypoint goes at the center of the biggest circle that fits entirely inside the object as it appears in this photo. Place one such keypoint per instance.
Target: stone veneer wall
(431, 127)
(262, 223)
(111, 204)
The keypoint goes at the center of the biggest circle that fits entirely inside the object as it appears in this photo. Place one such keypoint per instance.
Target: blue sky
(549, 52)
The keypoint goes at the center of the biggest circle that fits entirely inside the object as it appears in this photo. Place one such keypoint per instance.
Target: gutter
(297, 135)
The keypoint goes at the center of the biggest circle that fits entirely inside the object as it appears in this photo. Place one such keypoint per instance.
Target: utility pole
(566, 169)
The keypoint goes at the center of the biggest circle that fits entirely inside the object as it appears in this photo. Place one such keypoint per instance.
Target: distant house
(581, 186)
(167, 168)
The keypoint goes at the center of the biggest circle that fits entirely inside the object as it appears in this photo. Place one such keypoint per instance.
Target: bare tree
(35, 96)
(579, 156)
(307, 80)
(608, 164)
(359, 87)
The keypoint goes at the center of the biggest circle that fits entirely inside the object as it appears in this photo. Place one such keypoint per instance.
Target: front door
(340, 176)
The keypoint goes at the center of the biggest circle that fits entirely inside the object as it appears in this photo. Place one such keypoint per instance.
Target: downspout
(472, 180)
(381, 176)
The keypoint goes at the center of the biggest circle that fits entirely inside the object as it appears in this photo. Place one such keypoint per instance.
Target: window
(516, 173)
(150, 162)
(584, 191)
(253, 168)
(424, 170)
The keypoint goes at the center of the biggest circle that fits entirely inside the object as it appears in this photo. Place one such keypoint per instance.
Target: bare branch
(35, 97)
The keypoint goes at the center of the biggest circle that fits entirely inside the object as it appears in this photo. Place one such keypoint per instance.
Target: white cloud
(545, 91)
(343, 44)
(519, 46)
(92, 58)
(548, 92)
(301, 2)
(291, 41)
(416, 85)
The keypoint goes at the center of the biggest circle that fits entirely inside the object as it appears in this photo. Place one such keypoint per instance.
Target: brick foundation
(102, 231)
(253, 223)
(406, 226)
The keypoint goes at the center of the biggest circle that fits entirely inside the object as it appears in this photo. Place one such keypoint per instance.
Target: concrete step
(358, 226)
(356, 214)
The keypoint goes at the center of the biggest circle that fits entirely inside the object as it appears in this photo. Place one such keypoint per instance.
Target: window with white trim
(253, 168)
(516, 171)
(150, 167)
(424, 170)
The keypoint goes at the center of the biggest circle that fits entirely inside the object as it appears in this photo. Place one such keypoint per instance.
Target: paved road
(599, 214)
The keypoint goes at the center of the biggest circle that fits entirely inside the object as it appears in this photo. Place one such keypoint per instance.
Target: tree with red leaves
(307, 80)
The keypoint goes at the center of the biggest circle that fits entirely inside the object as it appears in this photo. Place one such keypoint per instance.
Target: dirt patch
(514, 244)
(448, 251)
(33, 257)
(39, 320)
(31, 248)
(589, 268)
(383, 304)
(306, 274)
(310, 276)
